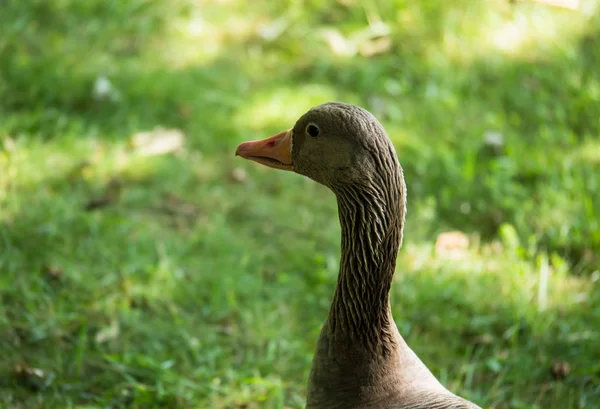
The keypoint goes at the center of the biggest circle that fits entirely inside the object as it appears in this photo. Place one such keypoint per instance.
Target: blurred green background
(142, 265)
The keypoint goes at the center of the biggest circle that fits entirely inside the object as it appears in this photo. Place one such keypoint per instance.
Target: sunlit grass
(526, 31)
(282, 106)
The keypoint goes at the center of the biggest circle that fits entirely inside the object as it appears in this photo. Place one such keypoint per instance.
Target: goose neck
(371, 223)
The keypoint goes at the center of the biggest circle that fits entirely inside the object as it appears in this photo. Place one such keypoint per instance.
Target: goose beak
(274, 151)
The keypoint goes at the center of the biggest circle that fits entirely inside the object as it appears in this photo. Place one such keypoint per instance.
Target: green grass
(197, 280)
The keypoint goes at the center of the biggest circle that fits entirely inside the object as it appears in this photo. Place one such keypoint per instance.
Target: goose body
(361, 361)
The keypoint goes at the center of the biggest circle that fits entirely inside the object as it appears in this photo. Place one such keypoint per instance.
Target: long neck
(371, 217)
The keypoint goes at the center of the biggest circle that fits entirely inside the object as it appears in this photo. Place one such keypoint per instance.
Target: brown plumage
(361, 361)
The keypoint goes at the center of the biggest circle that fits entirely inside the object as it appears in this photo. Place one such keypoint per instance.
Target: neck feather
(371, 217)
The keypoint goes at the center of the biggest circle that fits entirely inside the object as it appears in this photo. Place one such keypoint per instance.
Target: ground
(143, 265)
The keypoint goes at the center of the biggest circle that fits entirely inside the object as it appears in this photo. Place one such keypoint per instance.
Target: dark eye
(312, 130)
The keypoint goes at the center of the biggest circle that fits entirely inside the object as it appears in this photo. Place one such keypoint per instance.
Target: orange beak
(274, 151)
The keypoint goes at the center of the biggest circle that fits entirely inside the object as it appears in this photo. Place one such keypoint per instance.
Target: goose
(361, 361)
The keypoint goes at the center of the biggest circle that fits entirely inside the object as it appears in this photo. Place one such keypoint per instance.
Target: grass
(196, 280)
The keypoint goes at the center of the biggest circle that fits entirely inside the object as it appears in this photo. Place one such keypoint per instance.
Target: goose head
(335, 144)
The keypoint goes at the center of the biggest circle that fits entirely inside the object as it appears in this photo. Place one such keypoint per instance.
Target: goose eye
(312, 130)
